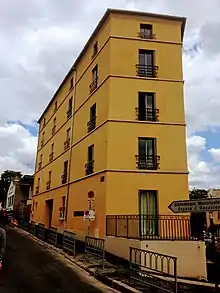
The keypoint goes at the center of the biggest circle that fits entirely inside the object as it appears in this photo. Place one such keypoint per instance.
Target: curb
(114, 284)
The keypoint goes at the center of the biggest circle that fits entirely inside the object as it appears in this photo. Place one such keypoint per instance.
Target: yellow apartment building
(115, 130)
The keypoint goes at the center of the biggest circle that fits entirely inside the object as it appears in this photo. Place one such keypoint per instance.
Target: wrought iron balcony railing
(37, 189)
(148, 162)
(69, 113)
(146, 35)
(64, 178)
(93, 85)
(39, 165)
(149, 227)
(89, 168)
(91, 124)
(147, 70)
(67, 144)
(51, 157)
(149, 114)
(48, 185)
(53, 129)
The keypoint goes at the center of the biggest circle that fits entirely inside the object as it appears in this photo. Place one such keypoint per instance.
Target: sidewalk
(109, 276)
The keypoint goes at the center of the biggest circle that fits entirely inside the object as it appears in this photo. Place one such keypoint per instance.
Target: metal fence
(40, 231)
(95, 248)
(52, 236)
(152, 269)
(32, 228)
(148, 227)
(69, 242)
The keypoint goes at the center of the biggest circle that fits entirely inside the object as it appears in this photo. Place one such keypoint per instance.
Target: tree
(6, 177)
(198, 193)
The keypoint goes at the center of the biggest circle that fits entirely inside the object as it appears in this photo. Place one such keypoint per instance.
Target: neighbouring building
(115, 131)
(19, 201)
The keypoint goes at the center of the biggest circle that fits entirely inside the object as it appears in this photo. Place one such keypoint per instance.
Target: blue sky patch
(33, 128)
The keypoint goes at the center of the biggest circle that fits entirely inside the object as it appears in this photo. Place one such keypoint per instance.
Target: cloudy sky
(40, 39)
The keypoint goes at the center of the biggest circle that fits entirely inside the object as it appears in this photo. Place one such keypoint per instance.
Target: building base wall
(191, 257)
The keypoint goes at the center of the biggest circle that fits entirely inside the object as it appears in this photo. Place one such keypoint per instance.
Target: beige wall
(191, 259)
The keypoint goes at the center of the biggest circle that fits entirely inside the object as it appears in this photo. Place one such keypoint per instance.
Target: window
(95, 49)
(95, 73)
(92, 118)
(44, 122)
(94, 83)
(67, 142)
(146, 67)
(65, 171)
(71, 83)
(48, 184)
(90, 160)
(68, 133)
(55, 106)
(147, 158)
(78, 213)
(38, 186)
(62, 208)
(42, 140)
(148, 212)
(69, 110)
(54, 126)
(146, 107)
(40, 162)
(51, 153)
(146, 31)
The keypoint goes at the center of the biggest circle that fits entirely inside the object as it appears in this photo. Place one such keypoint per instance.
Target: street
(29, 268)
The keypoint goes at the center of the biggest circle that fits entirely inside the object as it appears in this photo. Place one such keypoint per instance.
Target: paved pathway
(31, 269)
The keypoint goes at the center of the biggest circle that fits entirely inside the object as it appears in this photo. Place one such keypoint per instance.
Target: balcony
(149, 227)
(37, 189)
(148, 162)
(51, 157)
(147, 70)
(149, 114)
(146, 35)
(39, 165)
(91, 124)
(69, 113)
(42, 142)
(89, 168)
(64, 178)
(67, 144)
(48, 185)
(53, 129)
(93, 85)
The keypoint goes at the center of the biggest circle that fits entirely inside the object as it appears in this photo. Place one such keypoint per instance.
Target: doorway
(148, 213)
(49, 212)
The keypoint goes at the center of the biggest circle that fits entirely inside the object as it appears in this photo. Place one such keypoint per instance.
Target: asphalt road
(31, 269)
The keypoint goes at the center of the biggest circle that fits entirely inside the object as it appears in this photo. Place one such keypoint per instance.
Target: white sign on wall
(89, 214)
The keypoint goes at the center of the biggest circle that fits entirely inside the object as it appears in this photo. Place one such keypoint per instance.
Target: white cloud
(215, 154)
(39, 43)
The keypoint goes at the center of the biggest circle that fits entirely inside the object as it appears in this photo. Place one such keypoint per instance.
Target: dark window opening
(146, 67)
(146, 31)
(95, 49)
(92, 122)
(71, 83)
(94, 83)
(147, 158)
(78, 213)
(65, 172)
(146, 110)
(70, 106)
(90, 160)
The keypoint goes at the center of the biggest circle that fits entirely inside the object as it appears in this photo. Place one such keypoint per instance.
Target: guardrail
(149, 227)
(151, 269)
(69, 242)
(95, 248)
(52, 236)
(40, 231)
(32, 228)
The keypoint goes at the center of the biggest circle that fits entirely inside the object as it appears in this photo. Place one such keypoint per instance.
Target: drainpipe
(71, 142)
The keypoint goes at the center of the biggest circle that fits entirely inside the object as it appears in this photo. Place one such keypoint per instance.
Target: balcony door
(147, 153)
(146, 63)
(148, 213)
(146, 106)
